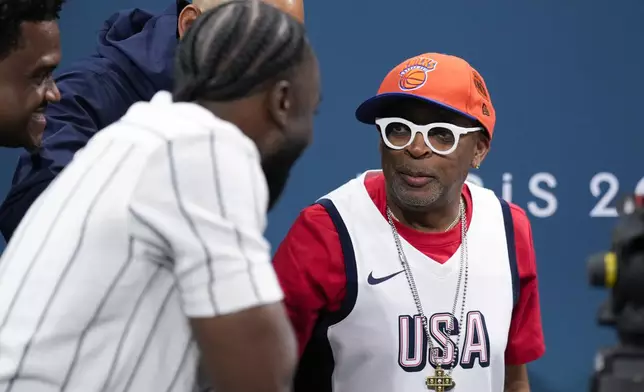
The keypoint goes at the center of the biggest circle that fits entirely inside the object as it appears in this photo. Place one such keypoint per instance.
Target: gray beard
(398, 190)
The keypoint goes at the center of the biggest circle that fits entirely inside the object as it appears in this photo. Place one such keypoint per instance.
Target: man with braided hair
(133, 61)
(148, 249)
(29, 52)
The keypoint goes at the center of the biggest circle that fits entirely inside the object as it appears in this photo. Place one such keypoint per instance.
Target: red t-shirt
(310, 267)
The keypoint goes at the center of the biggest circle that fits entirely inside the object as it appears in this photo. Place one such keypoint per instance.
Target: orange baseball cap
(440, 79)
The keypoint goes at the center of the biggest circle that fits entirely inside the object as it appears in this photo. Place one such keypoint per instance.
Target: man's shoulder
(371, 181)
(316, 217)
(520, 221)
(313, 236)
(523, 241)
(123, 62)
(315, 212)
(314, 223)
(91, 88)
(187, 125)
(519, 216)
(86, 67)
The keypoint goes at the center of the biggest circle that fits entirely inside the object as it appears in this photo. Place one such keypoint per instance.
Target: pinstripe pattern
(82, 336)
(138, 234)
(24, 276)
(207, 257)
(67, 266)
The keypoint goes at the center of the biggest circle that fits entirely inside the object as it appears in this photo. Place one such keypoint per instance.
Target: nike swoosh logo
(374, 281)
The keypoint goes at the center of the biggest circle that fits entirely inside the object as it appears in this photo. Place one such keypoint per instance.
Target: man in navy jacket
(134, 59)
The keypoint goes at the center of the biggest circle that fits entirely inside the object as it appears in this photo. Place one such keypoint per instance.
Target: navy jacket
(133, 61)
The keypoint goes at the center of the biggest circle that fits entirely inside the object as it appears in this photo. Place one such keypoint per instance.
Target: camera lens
(602, 269)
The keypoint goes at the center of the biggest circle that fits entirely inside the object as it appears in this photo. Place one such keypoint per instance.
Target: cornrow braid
(235, 49)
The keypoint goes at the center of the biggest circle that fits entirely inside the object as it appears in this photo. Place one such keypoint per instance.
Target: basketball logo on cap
(414, 74)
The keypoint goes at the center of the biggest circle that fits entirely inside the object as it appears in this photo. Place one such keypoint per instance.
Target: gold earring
(477, 166)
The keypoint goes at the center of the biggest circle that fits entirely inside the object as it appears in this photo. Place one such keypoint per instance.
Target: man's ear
(280, 102)
(188, 15)
(481, 149)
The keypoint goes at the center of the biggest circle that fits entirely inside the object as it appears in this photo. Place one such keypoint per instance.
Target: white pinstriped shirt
(160, 218)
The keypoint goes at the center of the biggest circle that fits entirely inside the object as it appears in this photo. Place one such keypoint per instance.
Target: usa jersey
(376, 342)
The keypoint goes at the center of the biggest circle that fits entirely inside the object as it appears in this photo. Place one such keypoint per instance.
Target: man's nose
(418, 148)
(53, 94)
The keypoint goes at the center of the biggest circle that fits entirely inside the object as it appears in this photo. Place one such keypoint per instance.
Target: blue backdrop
(567, 83)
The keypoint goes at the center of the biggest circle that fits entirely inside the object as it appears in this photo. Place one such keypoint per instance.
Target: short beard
(397, 191)
(277, 169)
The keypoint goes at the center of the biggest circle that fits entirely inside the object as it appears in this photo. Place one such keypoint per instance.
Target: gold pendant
(440, 382)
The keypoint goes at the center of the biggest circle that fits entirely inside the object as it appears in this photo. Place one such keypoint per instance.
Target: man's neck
(435, 219)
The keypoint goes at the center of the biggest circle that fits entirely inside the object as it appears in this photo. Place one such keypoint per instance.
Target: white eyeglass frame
(424, 130)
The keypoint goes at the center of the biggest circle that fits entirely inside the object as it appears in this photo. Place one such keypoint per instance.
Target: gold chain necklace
(458, 216)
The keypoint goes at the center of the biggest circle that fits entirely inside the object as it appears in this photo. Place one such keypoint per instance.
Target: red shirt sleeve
(525, 340)
(310, 267)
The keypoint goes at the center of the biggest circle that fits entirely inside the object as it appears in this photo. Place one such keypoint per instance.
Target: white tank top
(376, 341)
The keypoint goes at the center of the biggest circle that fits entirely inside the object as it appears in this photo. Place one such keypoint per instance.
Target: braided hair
(235, 49)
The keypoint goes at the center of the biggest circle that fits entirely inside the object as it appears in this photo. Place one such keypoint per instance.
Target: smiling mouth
(38, 116)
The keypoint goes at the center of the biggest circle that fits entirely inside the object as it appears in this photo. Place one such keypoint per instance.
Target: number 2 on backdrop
(604, 186)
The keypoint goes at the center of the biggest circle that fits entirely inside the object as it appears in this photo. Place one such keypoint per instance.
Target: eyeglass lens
(398, 134)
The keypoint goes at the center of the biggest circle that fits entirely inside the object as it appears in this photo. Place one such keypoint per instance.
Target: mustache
(414, 172)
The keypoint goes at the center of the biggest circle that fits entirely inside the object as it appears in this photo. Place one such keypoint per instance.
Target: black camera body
(621, 368)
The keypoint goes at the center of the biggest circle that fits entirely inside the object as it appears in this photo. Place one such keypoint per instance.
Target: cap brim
(373, 107)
